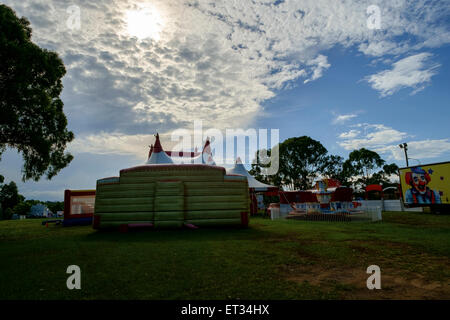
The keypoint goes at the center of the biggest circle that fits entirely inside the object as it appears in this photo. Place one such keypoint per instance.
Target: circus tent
(180, 157)
(207, 154)
(163, 194)
(252, 182)
(254, 185)
(157, 155)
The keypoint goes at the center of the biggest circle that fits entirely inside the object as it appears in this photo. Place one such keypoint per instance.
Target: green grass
(281, 259)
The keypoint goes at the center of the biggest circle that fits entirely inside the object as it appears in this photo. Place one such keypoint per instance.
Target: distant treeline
(303, 160)
(11, 202)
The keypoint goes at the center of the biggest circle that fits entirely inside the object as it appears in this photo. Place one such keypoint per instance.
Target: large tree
(362, 165)
(31, 112)
(9, 198)
(257, 172)
(385, 176)
(22, 208)
(302, 159)
(334, 168)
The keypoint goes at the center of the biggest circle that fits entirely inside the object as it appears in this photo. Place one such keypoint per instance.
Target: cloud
(349, 134)
(414, 71)
(342, 118)
(214, 61)
(385, 140)
(371, 136)
(135, 145)
(319, 64)
(112, 143)
(421, 149)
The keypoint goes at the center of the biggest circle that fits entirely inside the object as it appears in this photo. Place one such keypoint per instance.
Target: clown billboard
(426, 185)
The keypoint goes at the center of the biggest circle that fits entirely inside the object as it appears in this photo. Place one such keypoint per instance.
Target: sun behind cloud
(145, 22)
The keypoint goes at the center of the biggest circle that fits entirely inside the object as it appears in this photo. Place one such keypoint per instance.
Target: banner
(426, 184)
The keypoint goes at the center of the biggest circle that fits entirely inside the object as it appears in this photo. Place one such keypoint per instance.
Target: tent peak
(157, 154)
(157, 148)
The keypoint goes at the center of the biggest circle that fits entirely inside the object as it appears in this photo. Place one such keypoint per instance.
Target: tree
(256, 171)
(54, 206)
(31, 113)
(383, 177)
(22, 208)
(335, 169)
(7, 214)
(302, 159)
(390, 169)
(361, 165)
(9, 197)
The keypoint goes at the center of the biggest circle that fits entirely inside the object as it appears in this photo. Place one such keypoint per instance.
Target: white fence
(372, 210)
(387, 205)
(372, 213)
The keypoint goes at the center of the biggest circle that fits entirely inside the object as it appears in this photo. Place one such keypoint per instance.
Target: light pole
(404, 146)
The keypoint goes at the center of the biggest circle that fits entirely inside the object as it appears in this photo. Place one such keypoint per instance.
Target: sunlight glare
(144, 23)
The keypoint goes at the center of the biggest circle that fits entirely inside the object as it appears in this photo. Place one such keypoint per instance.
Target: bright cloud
(421, 149)
(385, 140)
(134, 72)
(343, 118)
(104, 143)
(370, 136)
(320, 64)
(112, 143)
(216, 61)
(414, 72)
(349, 134)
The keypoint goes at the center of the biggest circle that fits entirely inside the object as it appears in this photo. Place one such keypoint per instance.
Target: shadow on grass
(201, 234)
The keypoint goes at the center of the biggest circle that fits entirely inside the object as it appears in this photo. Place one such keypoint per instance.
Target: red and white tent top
(206, 156)
(157, 154)
(252, 182)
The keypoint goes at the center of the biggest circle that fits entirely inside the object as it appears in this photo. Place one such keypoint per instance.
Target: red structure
(78, 207)
(374, 188)
(342, 194)
(287, 197)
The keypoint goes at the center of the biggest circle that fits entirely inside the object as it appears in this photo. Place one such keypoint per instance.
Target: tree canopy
(303, 159)
(9, 198)
(362, 163)
(31, 112)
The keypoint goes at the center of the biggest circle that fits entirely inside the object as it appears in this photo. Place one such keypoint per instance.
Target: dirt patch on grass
(350, 283)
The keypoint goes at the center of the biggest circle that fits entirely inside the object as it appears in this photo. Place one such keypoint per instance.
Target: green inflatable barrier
(170, 196)
(213, 214)
(137, 216)
(215, 222)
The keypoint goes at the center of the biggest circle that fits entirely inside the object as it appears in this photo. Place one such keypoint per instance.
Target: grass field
(281, 259)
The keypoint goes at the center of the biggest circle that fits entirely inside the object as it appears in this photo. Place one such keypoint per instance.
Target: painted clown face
(419, 182)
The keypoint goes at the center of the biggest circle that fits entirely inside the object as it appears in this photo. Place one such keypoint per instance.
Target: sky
(350, 74)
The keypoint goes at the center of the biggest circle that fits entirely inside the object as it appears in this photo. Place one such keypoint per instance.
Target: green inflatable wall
(170, 196)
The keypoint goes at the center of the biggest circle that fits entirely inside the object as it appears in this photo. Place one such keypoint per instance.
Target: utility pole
(404, 146)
